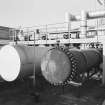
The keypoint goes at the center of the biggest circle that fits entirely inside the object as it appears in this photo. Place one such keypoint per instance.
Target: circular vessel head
(55, 66)
(9, 63)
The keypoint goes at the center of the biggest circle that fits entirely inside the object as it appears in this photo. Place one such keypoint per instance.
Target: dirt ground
(23, 93)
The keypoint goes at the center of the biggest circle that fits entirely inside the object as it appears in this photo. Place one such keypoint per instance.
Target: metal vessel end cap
(9, 63)
(55, 66)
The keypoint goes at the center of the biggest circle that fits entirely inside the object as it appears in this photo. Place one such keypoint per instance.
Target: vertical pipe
(69, 28)
(46, 34)
(103, 77)
(83, 24)
(68, 18)
(34, 63)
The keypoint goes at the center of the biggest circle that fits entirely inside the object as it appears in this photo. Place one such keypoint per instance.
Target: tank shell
(18, 61)
(59, 66)
(55, 66)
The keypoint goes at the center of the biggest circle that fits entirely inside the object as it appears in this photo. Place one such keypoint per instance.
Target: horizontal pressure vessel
(86, 59)
(55, 66)
(60, 66)
(93, 57)
(18, 61)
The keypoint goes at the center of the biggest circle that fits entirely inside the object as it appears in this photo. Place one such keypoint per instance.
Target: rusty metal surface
(55, 66)
(76, 62)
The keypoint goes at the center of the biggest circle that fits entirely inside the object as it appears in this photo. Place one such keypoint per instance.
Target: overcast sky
(34, 12)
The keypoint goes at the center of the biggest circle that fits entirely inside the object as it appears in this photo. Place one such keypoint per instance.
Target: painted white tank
(18, 61)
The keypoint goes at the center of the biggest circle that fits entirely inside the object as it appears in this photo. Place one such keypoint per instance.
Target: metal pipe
(97, 14)
(83, 26)
(90, 15)
(103, 77)
(18, 61)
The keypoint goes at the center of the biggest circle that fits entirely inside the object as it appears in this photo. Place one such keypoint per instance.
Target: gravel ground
(23, 93)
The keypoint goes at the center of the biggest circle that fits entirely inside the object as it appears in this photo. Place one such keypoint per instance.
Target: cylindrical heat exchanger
(17, 61)
(61, 67)
(86, 59)
(55, 66)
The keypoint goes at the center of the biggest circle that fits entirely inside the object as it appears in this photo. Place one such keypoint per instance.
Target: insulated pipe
(97, 14)
(83, 28)
(18, 61)
(90, 15)
(61, 67)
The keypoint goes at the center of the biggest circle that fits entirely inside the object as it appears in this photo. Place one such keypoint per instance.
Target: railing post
(46, 34)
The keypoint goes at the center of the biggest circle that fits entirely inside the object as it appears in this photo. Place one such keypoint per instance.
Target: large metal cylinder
(93, 57)
(59, 67)
(86, 59)
(18, 61)
(55, 66)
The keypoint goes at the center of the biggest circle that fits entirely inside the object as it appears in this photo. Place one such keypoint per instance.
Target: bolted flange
(73, 62)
